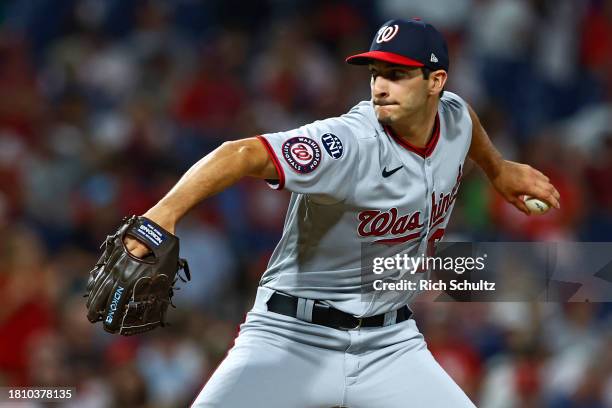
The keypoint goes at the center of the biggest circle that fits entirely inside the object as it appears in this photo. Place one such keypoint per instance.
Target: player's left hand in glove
(131, 295)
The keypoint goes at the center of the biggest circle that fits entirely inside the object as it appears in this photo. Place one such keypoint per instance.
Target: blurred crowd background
(105, 103)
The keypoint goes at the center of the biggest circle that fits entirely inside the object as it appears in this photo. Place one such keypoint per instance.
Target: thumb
(520, 205)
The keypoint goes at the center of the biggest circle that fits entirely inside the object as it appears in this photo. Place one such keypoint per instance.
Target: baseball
(536, 206)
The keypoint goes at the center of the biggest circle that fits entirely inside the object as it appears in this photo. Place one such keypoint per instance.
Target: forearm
(217, 171)
(512, 180)
(482, 151)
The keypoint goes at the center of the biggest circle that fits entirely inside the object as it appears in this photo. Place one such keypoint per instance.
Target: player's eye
(396, 74)
(391, 75)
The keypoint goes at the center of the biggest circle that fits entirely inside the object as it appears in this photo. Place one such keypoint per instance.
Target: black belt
(326, 315)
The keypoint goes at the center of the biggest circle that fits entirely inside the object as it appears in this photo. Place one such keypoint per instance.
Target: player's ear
(437, 81)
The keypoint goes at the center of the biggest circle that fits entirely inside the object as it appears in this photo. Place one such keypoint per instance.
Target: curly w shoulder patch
(302, 153)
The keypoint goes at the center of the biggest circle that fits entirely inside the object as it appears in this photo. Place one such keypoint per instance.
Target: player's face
(397, 91)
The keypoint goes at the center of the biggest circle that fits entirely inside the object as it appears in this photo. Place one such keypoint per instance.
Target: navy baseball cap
(412, 43)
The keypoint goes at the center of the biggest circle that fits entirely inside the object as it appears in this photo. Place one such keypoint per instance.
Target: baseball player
(387, 172)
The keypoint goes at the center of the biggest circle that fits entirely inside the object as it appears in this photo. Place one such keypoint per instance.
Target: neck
(417, 128)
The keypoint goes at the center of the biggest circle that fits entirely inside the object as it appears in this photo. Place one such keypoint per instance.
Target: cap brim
(367, 57)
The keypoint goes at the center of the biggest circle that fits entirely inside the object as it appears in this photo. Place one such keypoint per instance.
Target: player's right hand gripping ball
(131, 295)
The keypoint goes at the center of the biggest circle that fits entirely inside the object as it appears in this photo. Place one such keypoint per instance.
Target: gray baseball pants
(280, 361)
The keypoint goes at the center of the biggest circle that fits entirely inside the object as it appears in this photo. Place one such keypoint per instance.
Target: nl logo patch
(333, 145)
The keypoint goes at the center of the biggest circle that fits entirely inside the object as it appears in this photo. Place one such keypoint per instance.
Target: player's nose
(379, 87)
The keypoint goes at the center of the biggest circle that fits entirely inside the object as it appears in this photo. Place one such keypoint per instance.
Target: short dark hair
(426, 72)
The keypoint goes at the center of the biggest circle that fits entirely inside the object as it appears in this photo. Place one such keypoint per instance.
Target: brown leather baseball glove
(131, 295)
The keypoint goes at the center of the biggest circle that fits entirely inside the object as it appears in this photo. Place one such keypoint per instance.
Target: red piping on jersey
(279, 169)
(398, 240)
(421, 151)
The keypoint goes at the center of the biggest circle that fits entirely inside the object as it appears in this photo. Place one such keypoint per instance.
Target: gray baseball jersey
(353, 183)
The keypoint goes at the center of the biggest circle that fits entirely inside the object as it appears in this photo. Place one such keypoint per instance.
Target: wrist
(492, 167)
(164, 215)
